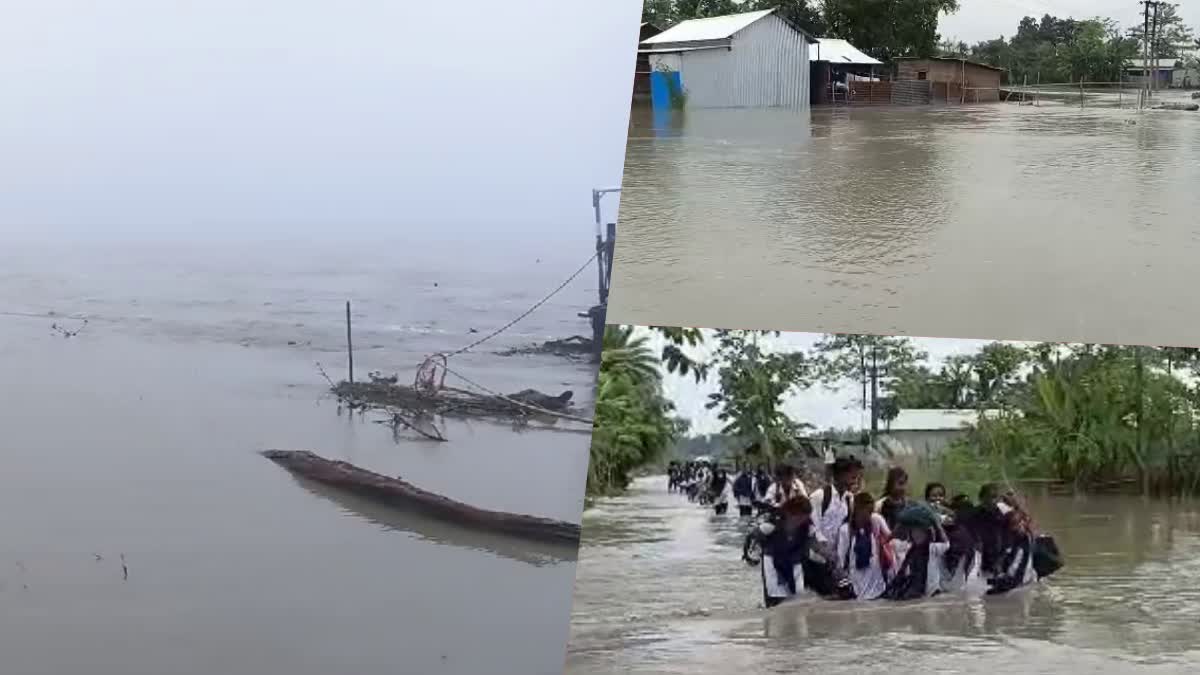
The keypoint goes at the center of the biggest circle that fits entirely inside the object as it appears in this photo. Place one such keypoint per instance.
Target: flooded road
(989, 221)
(139, 438)
(661, 589)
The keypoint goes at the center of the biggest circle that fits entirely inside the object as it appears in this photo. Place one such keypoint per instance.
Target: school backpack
(1046, 557)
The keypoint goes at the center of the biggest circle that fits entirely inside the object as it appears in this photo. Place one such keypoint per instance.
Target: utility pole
(1145, 94)
(1154, 23)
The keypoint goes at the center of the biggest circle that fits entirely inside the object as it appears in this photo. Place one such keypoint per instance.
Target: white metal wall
(767, 67)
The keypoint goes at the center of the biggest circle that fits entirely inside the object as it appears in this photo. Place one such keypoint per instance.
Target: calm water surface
(139, 437)
(661, 589)
(990, 221)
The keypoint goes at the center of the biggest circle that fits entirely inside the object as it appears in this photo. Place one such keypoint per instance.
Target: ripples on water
(140, 437)
(991, 221)
(660, 588)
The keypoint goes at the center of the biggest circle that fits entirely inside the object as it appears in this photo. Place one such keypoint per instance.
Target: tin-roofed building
(748, 60)
(927, 433)
(842, 72)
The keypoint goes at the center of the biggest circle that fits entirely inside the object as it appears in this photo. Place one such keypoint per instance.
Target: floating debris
(574, 347)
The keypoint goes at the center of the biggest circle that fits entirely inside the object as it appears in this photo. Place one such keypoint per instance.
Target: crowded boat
(840, 542)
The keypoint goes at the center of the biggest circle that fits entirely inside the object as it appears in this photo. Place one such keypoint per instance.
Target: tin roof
(950, 59)
(840, 51)
(712, 28)
(935, 420)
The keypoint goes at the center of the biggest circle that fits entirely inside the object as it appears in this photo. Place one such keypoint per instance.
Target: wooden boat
(395, 492)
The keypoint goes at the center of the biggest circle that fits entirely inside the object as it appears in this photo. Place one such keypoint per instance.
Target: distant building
(748, 60)
(925, 434)
(842, 72)
(950, 79)
(1168, 73)
(641, 72)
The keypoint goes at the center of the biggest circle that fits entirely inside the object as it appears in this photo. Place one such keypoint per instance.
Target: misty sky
(986, 19)
(818, 405)
(305, 117)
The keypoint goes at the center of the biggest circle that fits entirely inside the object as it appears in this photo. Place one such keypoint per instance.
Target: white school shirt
(869, 583)
(773, 585)
(933, 571)
(775, 493)
(829, 521)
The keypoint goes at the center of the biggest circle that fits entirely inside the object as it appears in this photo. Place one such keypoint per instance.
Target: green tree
(674, 356)
(753, 385)
(634, 422)
(1171, 36)
(870, 360)
(886, 29)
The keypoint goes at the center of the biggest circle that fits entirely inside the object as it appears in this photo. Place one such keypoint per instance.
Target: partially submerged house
(748, 60)
(641, 71)
(843, 72)
(926, 433)
(1167, 73)
(948, 79)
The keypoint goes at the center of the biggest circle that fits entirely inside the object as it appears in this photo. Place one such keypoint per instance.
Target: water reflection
(438, 532)
(995, 220)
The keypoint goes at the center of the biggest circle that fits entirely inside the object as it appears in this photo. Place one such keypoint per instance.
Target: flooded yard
(991, 221)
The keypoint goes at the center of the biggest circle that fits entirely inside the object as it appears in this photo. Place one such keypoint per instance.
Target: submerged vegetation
(1081, 417)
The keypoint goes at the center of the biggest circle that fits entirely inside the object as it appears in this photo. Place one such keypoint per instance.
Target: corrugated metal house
(926, 433)
(747, 60)
(952, 79)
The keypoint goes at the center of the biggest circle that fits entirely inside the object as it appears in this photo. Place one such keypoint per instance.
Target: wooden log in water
(396, 492)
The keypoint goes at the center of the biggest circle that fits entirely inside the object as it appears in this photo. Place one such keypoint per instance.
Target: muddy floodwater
(661, 589)
(988, 221)
(138, 438)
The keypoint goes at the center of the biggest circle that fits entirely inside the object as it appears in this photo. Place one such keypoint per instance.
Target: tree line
(1058, 50)
(1090, 415)
(1054, 49)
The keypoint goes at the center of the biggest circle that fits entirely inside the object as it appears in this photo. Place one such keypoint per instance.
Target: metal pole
(349, 344)
(1037, 92)
(1145, 92)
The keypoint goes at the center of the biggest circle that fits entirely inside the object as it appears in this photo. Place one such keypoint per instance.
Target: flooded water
(990, 221)
(138, 438)
(661, 589)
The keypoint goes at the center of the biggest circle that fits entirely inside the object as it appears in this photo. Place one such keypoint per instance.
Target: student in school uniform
(895, 495)
(743, 492)
(921, 555)
(864, 549)
(788, 544)
(832, 503)
(786, 486)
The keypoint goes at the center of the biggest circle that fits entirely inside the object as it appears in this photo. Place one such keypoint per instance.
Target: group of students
(840, 542)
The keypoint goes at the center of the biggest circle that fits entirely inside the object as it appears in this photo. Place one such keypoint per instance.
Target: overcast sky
(303, 117)
(818, 405)
(986, 19)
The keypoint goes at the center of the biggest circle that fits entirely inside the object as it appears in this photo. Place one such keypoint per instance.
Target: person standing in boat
(789, 542)
(895, 495)
(832, 503)
(864, 549)
(743, 492)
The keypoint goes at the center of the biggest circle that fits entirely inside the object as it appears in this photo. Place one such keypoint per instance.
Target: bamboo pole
(349, 345)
